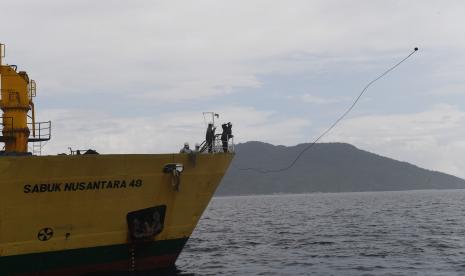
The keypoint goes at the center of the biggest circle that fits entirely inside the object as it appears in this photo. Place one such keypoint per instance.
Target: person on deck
(224, 137)
(227, 133)
(186, 148)
(210, 136)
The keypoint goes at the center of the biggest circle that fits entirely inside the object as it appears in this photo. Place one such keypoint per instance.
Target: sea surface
(369, 233)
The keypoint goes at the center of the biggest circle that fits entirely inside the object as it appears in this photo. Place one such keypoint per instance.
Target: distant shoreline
(315, 193)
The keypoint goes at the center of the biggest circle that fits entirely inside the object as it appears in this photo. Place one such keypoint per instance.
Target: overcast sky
(135, 76)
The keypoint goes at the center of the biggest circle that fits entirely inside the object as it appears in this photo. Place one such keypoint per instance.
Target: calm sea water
(372, 233)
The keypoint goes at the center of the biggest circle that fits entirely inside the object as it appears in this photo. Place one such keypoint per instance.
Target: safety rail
(217, 145)
(40, 131)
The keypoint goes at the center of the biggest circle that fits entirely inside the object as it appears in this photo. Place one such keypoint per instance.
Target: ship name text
(82, 186)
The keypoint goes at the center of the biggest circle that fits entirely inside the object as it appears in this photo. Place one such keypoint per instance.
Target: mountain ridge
(326, 167)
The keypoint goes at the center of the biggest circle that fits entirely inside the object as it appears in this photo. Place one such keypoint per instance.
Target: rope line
(335, 122)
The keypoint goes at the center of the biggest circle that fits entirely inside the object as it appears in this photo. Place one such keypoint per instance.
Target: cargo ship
(85, 212)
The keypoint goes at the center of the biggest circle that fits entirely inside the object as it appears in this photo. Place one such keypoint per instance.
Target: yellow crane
(17, 92)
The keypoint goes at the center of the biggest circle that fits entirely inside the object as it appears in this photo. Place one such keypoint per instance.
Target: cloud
(449, 89)
(311, 99)
(177, 50)
(432, 139)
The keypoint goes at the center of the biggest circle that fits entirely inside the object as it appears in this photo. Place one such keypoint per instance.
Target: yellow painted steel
(15, 103)
(97, 217)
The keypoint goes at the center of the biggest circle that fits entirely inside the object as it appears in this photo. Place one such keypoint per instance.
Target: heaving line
(334, 124)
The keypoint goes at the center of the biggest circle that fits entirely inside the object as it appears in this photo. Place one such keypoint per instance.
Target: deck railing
(42, 132)
(217, 145)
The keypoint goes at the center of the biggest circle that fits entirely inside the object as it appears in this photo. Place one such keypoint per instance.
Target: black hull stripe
(36, 262)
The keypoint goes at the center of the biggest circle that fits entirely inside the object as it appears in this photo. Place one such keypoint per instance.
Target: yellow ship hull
(72, 214)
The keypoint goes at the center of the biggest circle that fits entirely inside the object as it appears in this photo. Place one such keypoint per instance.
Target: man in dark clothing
(224, 137)
(227, 133)
(210, 136)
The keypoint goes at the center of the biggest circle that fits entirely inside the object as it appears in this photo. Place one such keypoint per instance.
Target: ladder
(37, 148)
